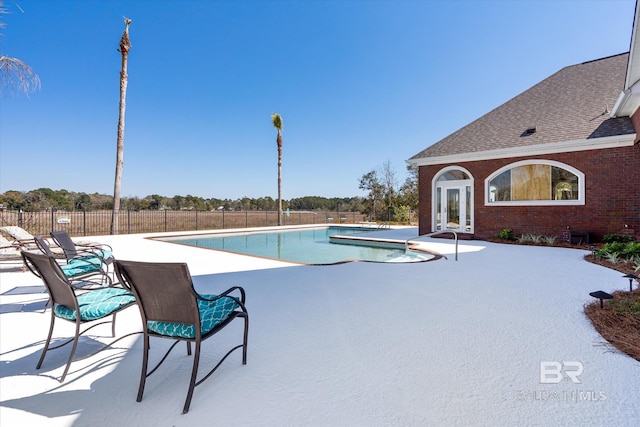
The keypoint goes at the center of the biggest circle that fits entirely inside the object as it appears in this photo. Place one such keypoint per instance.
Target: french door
(453, 207)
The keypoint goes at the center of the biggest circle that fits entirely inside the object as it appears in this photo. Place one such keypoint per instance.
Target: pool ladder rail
(406, 243)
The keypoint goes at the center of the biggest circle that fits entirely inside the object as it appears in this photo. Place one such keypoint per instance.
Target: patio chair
(79, 268)
(73, 250)
(25, 240)
(19, 234)
(4, 243)
(93, 306)
(171, 308)
(9, 251)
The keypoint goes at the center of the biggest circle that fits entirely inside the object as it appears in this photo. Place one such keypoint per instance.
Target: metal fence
(96, 223)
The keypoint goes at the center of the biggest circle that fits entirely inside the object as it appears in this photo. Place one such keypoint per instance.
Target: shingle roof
(566, 106)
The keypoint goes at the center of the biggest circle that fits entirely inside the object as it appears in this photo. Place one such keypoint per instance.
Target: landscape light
(601, 295)
(630, 277)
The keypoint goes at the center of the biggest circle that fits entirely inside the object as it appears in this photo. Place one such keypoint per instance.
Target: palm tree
(277, 123)
(125, 44)
(15, 74)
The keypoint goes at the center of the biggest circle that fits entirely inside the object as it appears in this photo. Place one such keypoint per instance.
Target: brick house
(560, 159)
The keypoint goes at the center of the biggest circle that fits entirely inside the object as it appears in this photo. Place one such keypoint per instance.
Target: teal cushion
(97, 304)
(82, 265)
(105, 254)
(212, 313)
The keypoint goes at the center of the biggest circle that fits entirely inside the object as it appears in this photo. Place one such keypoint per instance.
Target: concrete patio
(360, 344)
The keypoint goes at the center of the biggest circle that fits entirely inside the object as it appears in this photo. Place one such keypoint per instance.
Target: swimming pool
(306, 246)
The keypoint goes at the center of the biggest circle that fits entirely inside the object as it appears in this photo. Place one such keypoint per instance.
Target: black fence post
(246, 219)
(52, 215)
(20, 217)
(84, 222)
(128, 221)
(165, 220)
(196, 219)
(223, 219)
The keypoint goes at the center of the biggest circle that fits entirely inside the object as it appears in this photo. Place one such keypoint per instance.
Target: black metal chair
(79, 268)
(92, 306)
(171, 308)
(73, 250)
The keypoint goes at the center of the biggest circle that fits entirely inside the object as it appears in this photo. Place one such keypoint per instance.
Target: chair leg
(188, 348)
(73, 351)
(244, 342)
(113, 326)
(106, 279)
(194, 373)
(46, 344)
(145, 361)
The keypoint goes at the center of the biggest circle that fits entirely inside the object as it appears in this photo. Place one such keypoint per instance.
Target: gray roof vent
(529, 131)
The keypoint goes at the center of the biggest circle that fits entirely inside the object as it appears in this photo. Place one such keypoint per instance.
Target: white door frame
(464, 210)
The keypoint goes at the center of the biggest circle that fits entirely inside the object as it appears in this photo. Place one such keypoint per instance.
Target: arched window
(535, 182)
(452, 175)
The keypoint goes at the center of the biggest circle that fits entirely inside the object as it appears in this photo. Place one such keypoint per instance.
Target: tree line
(46, 198)
(385, 200)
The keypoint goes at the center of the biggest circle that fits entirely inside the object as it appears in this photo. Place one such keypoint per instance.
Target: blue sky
(357, 83)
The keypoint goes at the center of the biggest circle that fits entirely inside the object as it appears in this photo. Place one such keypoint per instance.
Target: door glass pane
(468, 225)
(453, 208)
(439, 208)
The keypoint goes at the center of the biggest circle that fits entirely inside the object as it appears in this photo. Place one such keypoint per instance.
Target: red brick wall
(612, 201)
(635, 121)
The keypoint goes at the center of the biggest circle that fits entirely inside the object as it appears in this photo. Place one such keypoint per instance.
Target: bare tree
(389, 183)
(125, 45)
(277, 123)
(15, 75)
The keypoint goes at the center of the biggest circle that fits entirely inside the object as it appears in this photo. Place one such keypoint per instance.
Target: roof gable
(572, 104)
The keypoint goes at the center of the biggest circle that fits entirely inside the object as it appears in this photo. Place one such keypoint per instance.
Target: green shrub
(631, 250)
(535, 238)
(530, 238)
(627, 250)
(612, 247)
(524, 238)
(506, 234)
(549, 240)
(626, 306)
(613, 238)
(612, 257)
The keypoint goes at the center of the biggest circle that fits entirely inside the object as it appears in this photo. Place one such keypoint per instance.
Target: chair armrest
(56, 250)
(234, 288)
(82, 253)
(226, 293)
(89, 246)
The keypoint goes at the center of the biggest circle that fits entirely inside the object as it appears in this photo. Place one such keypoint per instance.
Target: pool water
(307, 246)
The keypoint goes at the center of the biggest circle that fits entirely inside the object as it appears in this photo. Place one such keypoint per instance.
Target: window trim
(576, 172)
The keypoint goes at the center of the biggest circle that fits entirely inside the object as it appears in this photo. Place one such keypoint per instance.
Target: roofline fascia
(624, 106)
(531, 150)
(622, 100)
(632, 43)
